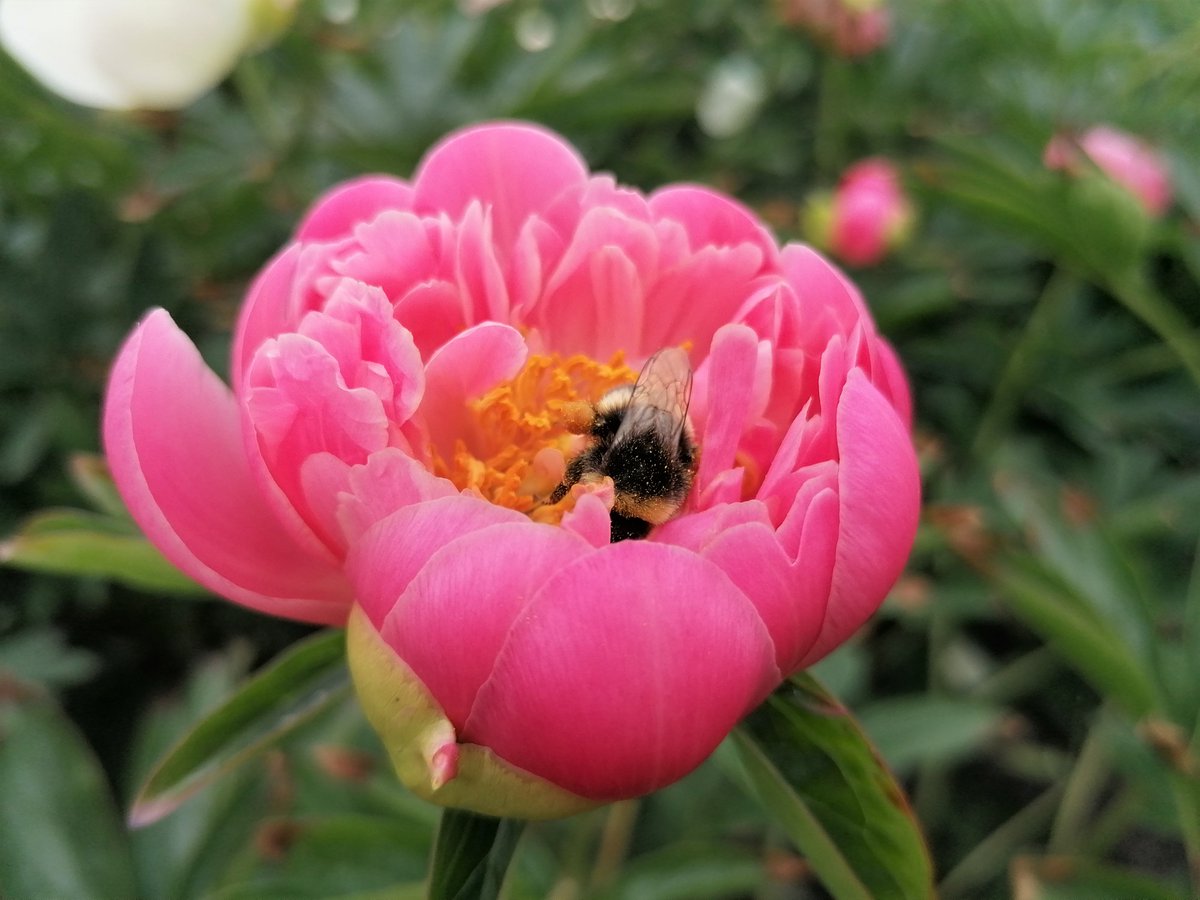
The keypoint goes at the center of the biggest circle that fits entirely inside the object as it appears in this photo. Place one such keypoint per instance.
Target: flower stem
(1134, 290)
(471, 855)
(1020, 368)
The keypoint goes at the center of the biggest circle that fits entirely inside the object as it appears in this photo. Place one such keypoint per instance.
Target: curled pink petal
(172, 433)
(880, 494)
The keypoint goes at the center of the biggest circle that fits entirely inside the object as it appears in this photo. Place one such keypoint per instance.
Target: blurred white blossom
(136, 54)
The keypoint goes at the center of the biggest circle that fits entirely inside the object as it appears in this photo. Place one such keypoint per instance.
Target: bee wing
(660, 397)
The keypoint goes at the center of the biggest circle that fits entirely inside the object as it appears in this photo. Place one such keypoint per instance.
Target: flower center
(522, 432)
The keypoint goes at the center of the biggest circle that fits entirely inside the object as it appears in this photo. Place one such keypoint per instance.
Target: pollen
(522, 432)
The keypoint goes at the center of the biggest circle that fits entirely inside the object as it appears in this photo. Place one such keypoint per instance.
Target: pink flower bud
(851, 28)
(1127, 160)
(410, 376)
(867, 216)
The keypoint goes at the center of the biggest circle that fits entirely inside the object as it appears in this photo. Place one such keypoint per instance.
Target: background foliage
(1034, 679)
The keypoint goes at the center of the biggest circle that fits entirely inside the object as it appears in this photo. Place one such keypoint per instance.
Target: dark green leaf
(295, 687)
(60, 834)
(811, 766)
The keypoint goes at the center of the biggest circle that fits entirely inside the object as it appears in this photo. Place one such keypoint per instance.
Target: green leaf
(689, 871)
(810, 765)
(1062, 878)
(920, 728)
(73, 542)
(1100, 655)
(336, 856)
(187, 854)
(89, 472)
(471, 855)
(42, 655)
(60, 834)
(302, 682)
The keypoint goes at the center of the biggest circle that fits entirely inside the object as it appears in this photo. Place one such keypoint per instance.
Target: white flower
(135, 54)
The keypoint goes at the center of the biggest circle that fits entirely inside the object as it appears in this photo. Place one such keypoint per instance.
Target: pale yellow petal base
(423, 746)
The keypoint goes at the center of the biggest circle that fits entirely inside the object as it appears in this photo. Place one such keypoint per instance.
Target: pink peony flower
(851, 28)
(1127, 160)
(403, 378)
(867, 216)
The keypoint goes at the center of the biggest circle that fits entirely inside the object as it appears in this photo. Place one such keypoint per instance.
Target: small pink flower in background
(851, 28)
(1127, 160)
(402, 379)
(868, 216)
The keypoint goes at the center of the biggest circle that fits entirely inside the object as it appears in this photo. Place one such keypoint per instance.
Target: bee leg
(575, 471)
(627, 528)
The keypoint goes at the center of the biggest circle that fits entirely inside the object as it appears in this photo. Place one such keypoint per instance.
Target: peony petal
(391, 479)
(269, 310)
(512, 169)
(433, 312)
(452, 619)
(421, 742)
(712, 219)
(351, 203)
(392, 551)
(730, 379)
(880, 493)
(173, 437)
(586, 691)
(891, 380)
(480, 276)
(463, 368)
(590, 519)
(752, 558)
(823, 291)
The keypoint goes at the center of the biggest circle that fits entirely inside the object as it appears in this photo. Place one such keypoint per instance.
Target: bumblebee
(640, 438)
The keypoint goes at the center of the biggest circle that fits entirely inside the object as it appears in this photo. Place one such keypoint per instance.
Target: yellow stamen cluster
(522, 431)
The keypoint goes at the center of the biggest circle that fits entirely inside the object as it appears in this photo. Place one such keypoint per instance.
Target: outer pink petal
(352, 202)
(880, 492)
(711, 218)
(624, 672)
(173, 438)
(391, 553)
(822, 288)
(515, 169)
(451, 621)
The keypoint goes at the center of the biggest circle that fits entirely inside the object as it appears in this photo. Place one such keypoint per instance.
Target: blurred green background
(1035, 677)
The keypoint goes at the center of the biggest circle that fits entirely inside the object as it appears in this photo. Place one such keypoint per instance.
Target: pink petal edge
(173, 438)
